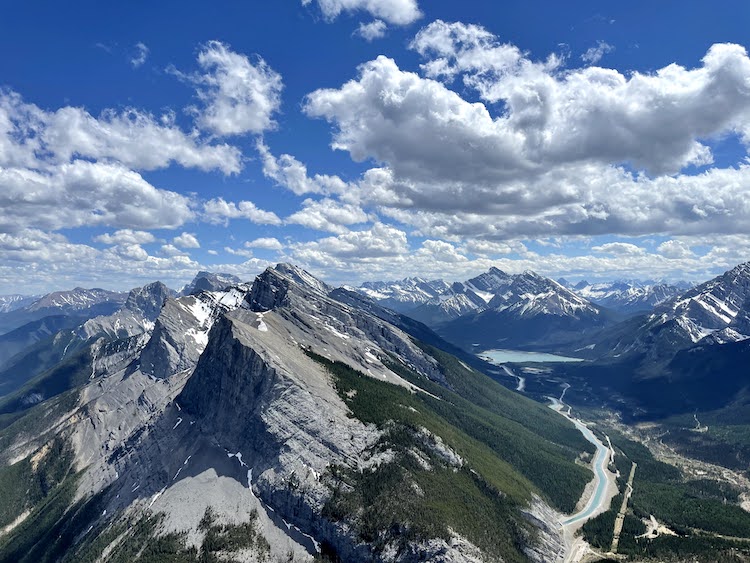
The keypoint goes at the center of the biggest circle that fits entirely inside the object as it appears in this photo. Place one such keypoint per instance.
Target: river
(602, 478)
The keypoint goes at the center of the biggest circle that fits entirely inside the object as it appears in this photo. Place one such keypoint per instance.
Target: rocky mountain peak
(490, 281)
(302, 277)
(209, 281)
(148, 299)
(77, 299)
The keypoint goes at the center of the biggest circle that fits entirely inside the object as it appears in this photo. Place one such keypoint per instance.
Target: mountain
(717, 311)
(79, 302)
(528, 310)
(37, 346)
(78, 299)
(404, 295)
(461, 298)
(437, 302)
(628, 297)
(685, 356)
(457, 300)
(278, 422)
(29, 334)
(490, 282)
(138, 313)
(209, 281)
(10, 303)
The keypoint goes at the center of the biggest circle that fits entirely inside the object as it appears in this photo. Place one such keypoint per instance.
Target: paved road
(623, 508)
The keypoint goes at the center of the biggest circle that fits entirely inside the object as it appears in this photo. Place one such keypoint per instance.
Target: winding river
(601, 461)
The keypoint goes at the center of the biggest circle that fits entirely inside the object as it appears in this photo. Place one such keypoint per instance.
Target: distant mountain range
(435, 302)
(78, 302)
(687, 354)
(628, 297)
(494, 309)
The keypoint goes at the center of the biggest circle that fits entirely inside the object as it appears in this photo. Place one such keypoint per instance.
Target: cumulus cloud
(328, 215)
(266, 243)
(398, 12)
(369, 245)
(291, 174)
(594, 54)
(219, 211)
(186, 240)
(171, 250)
(239, 252)
(485, 248)
(675, 249)
(440, 259)
(32, 137)
(140, 55)
(656, 121)
(425, 131)
(441, 251)
(373, 30)
(619, 249)
(239, 96)
(126, 236)
(548, 151)
(49, 260)
(86, 193)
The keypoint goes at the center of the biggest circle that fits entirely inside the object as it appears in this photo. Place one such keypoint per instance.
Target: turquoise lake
(519, 356)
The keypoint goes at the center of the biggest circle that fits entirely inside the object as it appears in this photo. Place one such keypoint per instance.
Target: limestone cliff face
(256, 392)
(229, 382)
(180, 332)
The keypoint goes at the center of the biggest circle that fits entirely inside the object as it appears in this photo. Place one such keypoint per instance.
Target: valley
(286, 418)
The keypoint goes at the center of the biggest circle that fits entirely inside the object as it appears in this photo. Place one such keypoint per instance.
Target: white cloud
(219, 211)
(238, 252)
(441, 251)
(86, 194)
(548, 162)
(266, 243)
(131, 251)
(398, 12)
(485, 248)
(619, 249)
(425, 131)
(378, 242)
(47, 261)
(239, 96)
(373, 30)
(328, 215)
(31, 137)
(439, 259)
(186, 240)
(656, 121)
(290, 173)
(125, 236)
(675, 249)
(171, 250)
(594, 54)
(140, 55)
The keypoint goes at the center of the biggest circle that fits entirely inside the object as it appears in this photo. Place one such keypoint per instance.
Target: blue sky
(367, 139)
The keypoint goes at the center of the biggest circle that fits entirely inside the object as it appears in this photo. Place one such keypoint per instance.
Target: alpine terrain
(282, 420)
